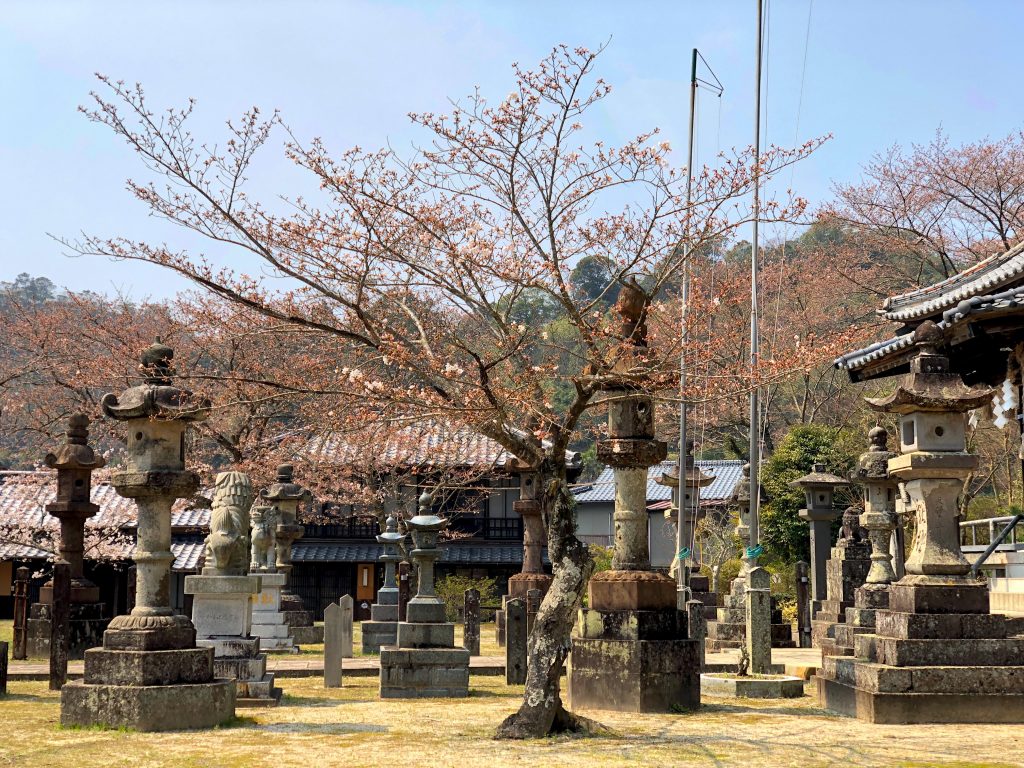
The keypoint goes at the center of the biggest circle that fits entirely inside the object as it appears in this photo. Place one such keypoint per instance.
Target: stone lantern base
(425, 663)
(936, 655)
(632, 652)
(269, 622)
(86, 625)
(845, 571)
(729, 630)
(147, 690)
(382, 628)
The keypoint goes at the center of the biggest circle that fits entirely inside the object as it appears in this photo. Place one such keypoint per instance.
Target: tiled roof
(11, 551)
(726, 473)
(190, 517)
(997, 271)
(427, 443)
(857, 359)
(24, 496)
(187, 554)
(463, 554)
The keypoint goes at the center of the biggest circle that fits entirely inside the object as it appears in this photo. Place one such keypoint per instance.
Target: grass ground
(351, 727)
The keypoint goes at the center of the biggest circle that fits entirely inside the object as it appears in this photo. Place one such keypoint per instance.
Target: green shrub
(452, 589)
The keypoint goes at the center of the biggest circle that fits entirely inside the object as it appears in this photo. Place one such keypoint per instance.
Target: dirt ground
(352, 727)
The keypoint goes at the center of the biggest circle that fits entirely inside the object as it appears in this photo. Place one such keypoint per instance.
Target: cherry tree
(405, 276)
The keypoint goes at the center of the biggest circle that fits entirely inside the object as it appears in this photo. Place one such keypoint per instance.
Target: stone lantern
(74, 462)
(149, 675)
(879, 516)
(633, 650)
(694, 480)
(425, 662)
(819, 488)
(382, 628)
(287, 496)
(532, 575)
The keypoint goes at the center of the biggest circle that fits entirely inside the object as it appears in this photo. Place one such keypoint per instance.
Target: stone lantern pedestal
(425, 662)
(382, 628)
(729, 629)
(149, 675)
(936, 654)
(74, 462)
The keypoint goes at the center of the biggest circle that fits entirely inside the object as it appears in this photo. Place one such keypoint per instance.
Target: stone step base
(935, 626)
(897, 652)
(377, 634)
(904, 708)
(241, 668)
(634, 675)
(881, 678)
(148, 708)
(423, 673)
(307, 635)
(258, 688)
(733, 635)
(148, 668)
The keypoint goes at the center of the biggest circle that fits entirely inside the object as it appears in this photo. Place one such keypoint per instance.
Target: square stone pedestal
(382, 628)
(269, 623)
(936, 656)
(729, 629)
(425, 663)
(222, 614)
(85, 630)
(632, 652)
(846, 571)
(165, 690)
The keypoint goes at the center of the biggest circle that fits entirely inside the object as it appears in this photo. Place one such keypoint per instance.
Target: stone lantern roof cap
(75, 453)
(157, 397)
(425, 520)
(930, 386)
(695, 476)
(741, 491)
(390, 534)
(284, 489)
(819, 478)
(873, 464)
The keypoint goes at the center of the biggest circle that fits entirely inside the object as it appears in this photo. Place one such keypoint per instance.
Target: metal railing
(981, 533)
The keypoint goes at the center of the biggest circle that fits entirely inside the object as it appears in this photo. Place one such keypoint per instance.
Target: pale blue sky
(877, 73)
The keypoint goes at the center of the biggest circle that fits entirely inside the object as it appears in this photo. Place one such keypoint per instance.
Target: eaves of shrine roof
(987, 276)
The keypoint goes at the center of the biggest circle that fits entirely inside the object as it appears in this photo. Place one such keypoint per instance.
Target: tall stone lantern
(879, 516)
(689, 584)
(632, 651)
(74, 462)
(382, 628)
(532, 575)
(425, 662)
(149, 675)
(287, 495)
(819, 489)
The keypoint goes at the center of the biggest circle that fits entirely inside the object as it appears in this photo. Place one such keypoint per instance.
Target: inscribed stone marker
(333, 622)
(3, 667)
(515, 641)
(471, 627)
(346, 625)
(60, 617)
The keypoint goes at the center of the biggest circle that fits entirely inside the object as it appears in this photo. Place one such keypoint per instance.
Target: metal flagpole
(755, 427)
(682, 541)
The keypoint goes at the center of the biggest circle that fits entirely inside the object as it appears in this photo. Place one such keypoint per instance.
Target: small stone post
(60, 624)
(333, 623)
(404, 575)
(20, 613)
(698, 627)
(759, 620)
(3, 667)
(515, 641)
(471, 622)
(803, 603)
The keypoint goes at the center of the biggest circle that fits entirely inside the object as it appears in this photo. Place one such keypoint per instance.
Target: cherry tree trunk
(542, 712)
